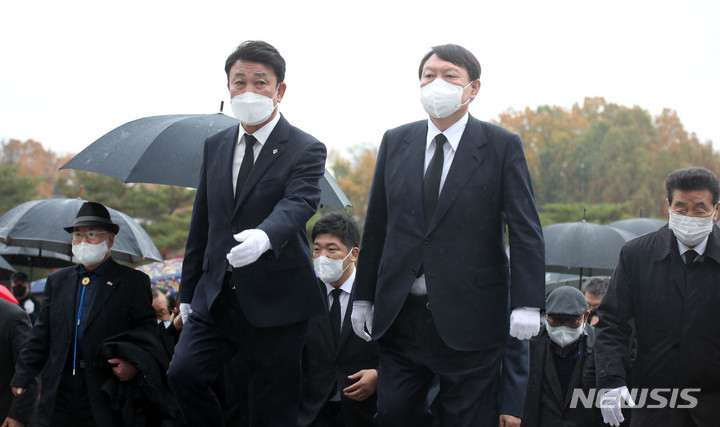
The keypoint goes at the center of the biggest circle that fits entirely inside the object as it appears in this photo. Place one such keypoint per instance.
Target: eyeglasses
(572, 322)
(694, 214)
(91, 235)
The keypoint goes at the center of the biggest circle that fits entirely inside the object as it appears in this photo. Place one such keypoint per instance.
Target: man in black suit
(248, 284)
(339, 368)
(83, 306)
(433, 283)
(668, 282)
(14, 331)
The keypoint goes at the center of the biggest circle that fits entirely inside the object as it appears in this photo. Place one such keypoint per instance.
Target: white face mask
(564, 335)
(441, 98)
(329, 270)
(691, 230)
(88, 254)
(252, 108)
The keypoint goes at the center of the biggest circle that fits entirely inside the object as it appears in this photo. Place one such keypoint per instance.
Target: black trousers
(273, 357)
(72, 404)
(413, 357)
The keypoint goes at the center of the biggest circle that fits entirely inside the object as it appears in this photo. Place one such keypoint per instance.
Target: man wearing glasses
(84, 305)
(668, 281)
(561, 361)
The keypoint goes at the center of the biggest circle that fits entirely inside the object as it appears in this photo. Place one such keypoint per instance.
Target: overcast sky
(71, 71)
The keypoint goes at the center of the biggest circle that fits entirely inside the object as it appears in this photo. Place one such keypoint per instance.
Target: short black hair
(596, 286)
(19, 276)
(170, 298)
(341, 225)
(257, 51)
(693, 179)
(458, 55)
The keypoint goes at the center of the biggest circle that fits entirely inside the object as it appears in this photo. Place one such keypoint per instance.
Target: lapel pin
(109, 283)
(275, 151)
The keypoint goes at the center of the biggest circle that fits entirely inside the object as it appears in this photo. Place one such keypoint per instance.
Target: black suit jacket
(281, 193)
(463, 249)
(123, 302)
(14, 331)
(324, 365)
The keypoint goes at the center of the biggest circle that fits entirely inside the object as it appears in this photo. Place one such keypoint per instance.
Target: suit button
(414, 272)
(426, 241)
(234, 230)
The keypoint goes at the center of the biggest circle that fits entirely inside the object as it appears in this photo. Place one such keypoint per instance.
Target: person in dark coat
(561, 362)
(83, 306)
(20, 286)
(14, 331)
(339, 368)
(669, 282)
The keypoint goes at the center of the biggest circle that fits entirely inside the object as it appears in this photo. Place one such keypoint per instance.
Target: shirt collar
(263, 133)
(699, 248)
(453, 133)
(100, 270)
(346, 287)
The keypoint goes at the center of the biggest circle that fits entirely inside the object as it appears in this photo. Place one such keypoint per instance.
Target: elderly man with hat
(83, 306)
(561, 362)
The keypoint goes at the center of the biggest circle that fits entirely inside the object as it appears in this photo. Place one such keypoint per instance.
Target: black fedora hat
(92, 213)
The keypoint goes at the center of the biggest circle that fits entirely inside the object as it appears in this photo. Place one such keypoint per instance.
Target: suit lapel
(466, 162)
(414, 159)
(346, 327)
(324, 321)
(106, 287)
(66, 296)
(551, 375)
(270, 152)
(219, 168)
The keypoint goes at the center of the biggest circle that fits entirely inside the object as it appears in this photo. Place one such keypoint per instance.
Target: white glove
(610, 405)
(253, 243)
(361, 318)
(185, 311)
(524, 322)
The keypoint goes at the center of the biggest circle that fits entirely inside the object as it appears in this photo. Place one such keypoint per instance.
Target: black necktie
(335, 314)
(431, 183)
(246, 165)
(690, 256)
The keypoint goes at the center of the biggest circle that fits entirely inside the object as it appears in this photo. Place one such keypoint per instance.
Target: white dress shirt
(344, 296)
(699, 248)
(453, 135)
(261, 135)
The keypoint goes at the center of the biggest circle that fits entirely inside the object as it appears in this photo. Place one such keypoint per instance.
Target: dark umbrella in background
(583, 248)
(167, 150)
(6, 268)
(34, 257)
(39, 224)
(638, 226)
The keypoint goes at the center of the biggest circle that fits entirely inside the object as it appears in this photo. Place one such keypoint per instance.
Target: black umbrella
(5, 265)
(638, 226)
(167, 150)
(34, 257)
(583, 248)
(39, 224)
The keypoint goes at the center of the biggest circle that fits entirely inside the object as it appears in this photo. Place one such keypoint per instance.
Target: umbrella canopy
(5, 265)
(165, 274)
(37, 286)
(34, 257)
(167, 150)
(39, 224)
(639, 226)
(583, 248)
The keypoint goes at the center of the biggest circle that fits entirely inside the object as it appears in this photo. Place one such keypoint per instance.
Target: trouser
(413, 357)
(273, 357)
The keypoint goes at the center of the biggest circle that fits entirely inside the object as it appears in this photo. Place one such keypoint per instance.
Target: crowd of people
(420, 321)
